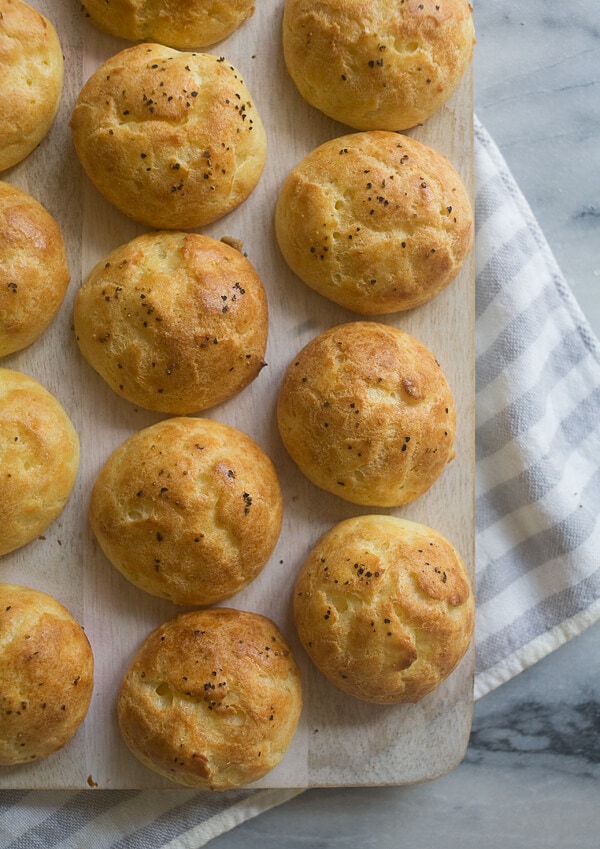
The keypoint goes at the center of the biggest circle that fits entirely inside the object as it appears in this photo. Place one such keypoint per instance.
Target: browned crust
(384, 608)
(376, 222)
(171, 138)
(366, 413)
(46, 675)
(212, 699)
(188, 509)
(184, 24)
(34, 274)
(174, 322)
(377, 64)
(31, 70)
(39, 459)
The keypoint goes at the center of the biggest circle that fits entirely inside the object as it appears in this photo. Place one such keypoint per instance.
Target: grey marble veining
(531, 773)
(567, 734)
(547, 717)
(537, 90)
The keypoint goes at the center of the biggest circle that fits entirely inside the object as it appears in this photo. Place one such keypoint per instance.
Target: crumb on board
(233, 243)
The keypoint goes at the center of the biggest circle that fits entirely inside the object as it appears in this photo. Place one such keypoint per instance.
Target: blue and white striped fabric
(115, 819)
(538, 503)
(538, 438)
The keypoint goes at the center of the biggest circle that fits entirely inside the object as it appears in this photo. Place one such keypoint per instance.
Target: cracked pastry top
(172, 139)
(173, 321)
(39, 459)
(366, 413)
(377, 64)
(376, 222)
(211, 699)
(34, 274)
(46, 675)
(32, 71)
(188, 509)
(384, 608)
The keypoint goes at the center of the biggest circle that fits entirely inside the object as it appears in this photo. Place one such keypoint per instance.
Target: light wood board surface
(340, 741)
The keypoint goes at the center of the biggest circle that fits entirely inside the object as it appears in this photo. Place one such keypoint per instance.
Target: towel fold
(537, 438)
(538, 503)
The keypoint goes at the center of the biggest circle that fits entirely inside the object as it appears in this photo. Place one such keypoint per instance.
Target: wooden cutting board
(340, 741)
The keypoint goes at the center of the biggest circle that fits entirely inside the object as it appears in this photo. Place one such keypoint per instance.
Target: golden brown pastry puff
(184, 24)
(171, 139)
(377, 64)
(212, 699)
(39, 459)
(366, 413)
(34, 274)
(173, 321)
(188, 509)
(384, 608)
(376, 222)
(31, 71)
(46, 675)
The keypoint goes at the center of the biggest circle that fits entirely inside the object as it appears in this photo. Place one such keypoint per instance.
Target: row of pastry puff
(244, 675)
(46, 661)
(378, 223)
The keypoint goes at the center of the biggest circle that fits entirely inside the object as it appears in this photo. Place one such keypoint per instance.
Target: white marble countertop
(530, 776)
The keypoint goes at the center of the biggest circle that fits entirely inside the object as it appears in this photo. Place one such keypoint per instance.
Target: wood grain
(340, 741)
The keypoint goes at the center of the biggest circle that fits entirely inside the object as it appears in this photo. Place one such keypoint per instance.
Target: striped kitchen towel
(538, 438)
(538, 502)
